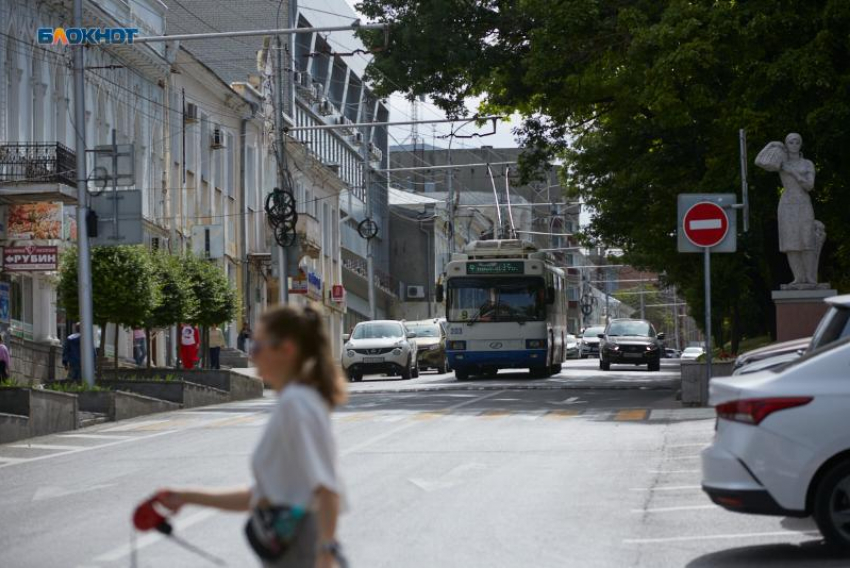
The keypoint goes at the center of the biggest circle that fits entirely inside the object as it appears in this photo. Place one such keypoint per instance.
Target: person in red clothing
(190, 340)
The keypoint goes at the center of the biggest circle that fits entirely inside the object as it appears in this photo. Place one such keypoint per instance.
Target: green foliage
(178, 302)
(74, 387)
(10, 383)
(643, 99)
(217, 301)
(124, 290)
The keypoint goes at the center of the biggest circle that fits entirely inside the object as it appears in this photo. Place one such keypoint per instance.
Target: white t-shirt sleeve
(312, 442)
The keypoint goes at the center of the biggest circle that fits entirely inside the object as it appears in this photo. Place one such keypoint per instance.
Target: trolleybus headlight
(535, 344)
(457, 345)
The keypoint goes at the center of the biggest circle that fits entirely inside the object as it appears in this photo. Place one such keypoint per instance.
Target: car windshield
(640, 328)
(835, 325)
(377, 330)
(424, 329)
(496, 299)
(693, 350)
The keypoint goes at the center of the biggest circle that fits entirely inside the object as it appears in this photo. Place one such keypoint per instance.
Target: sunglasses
(258, 346)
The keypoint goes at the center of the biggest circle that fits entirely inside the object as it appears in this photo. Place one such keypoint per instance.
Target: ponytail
(316, 366)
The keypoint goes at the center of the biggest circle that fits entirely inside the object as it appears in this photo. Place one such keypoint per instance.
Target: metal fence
(37, 163)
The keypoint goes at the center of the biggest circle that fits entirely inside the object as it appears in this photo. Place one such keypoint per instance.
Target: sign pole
(84, 283)
(707, 255)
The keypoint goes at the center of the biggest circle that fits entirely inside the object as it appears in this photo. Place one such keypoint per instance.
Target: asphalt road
(584, 469)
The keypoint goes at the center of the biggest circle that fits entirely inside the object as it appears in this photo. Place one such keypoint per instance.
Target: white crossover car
(782, 445)
(380, 346)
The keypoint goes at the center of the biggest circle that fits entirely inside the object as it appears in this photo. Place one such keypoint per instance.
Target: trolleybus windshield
(496, 299)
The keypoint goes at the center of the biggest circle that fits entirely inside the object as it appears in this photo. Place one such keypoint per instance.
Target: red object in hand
(149, 515)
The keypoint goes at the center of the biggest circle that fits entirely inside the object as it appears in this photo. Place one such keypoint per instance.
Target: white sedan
(782, 445)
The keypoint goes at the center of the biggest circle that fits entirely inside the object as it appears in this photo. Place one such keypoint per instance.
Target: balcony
(309, 235)
(37, 172)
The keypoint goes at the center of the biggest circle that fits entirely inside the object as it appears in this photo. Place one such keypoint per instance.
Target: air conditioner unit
(190, 113)
(415, 292)
(376, 152)
(297, 77)
(325, 107)
(357, 138)
(320, 91)
(217, 139)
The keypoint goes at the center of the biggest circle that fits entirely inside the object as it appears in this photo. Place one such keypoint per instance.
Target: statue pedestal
(798, 312)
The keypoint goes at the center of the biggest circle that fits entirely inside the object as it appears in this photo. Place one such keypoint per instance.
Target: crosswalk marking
(560, 414)
(45, 447)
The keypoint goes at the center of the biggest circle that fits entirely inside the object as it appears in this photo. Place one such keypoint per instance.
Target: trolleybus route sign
(497, 267)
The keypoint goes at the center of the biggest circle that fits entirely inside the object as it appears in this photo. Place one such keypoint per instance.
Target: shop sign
(35, 221)
(299, 283)
(4, 302)
(314, 284)
(30, 259)
(337, 293)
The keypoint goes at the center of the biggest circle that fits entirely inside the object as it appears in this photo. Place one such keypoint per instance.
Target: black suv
(630, 341)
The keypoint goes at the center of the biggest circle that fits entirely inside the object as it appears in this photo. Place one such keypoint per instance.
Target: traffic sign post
(705, 226)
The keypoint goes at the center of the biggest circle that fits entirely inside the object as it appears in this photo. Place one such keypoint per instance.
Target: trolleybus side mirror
(550, 295)
(439, 293)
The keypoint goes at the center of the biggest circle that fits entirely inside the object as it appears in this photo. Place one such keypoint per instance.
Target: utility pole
(84, 283)
(282, 259)
(676, 319)
(370, 253)
(642, 304)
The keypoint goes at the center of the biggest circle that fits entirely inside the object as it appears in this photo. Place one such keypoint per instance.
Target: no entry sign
(705, 224)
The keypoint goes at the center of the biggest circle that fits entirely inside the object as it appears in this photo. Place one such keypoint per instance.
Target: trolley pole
(281, 148)
(84, 281)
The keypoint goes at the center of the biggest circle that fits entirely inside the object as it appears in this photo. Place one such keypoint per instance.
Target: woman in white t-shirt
(295, 462)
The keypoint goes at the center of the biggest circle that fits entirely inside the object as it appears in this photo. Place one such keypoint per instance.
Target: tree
(124, 291)
(217, 301)
(177, 299)
(642, 100)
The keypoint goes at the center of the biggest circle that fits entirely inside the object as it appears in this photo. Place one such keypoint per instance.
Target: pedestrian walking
(296, 494)
(243, 342)
(140, 346)
(216, 343)
(5, 361)
(71, 359)
(190, 339)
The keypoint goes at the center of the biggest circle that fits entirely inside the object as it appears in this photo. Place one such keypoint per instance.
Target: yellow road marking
(637, 414)
(354, 417)
(430, 415)
(236, 420)
(160, 426)
(561, 414)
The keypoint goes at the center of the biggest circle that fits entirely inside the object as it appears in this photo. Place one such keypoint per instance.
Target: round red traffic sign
(705, 224)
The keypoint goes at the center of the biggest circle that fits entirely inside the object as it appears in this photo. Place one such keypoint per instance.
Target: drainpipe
(243, 194)
(428, 264)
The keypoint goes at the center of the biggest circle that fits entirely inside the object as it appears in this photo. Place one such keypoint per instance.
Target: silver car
(380, 346)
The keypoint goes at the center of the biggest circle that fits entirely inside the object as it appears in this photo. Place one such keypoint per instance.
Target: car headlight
(651, 347)
(350, 353)
(614, 347)
(434, 347)
(396, 351)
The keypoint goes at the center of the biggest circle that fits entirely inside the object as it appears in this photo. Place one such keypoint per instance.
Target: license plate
(633, 355)
(373, 359)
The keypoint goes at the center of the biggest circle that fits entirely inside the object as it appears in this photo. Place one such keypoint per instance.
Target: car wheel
(556, 368)
(461, 374)
(415, 371)
(604, 365)
(654, 365)
(354, 377)
(406, 373)
(831, 508)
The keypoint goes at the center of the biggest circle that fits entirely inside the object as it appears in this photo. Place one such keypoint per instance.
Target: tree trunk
(148, 346)
(204, 343)
(115, 346)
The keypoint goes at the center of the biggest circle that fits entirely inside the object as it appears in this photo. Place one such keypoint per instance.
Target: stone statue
(801, 237)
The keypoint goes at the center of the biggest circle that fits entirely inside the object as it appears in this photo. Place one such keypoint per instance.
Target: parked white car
(782, 445)
(691, 353)
(380, 346)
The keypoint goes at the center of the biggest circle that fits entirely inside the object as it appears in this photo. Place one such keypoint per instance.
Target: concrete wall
(694, 383)
(35, 363)
(101, 402)
(200, 395)
(178, 392)
(243, 387)
(239, 386)
(27, 413)
(129, 405)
